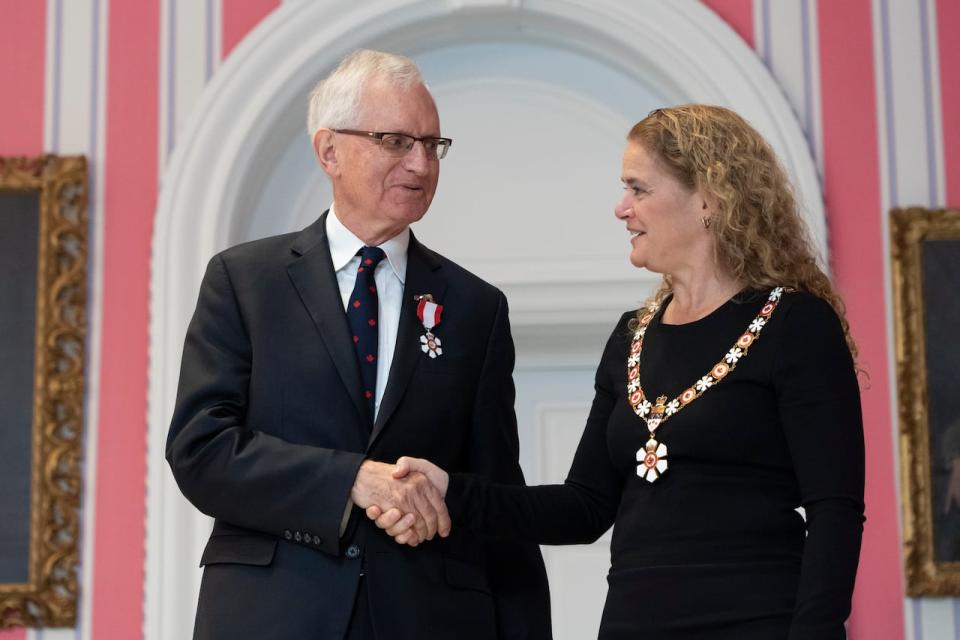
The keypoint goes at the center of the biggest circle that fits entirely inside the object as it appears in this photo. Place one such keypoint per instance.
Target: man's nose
(417, 159)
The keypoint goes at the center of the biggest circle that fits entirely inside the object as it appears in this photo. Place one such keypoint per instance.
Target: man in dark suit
(307, 368)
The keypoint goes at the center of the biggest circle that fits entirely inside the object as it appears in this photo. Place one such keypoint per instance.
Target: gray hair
(335, 100)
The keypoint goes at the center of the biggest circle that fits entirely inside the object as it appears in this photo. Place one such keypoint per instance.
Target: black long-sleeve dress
(715, 548)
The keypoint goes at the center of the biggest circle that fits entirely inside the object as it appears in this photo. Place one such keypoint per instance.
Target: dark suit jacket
(270, 428)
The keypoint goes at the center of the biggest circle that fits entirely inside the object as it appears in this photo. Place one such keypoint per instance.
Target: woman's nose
(622, 209)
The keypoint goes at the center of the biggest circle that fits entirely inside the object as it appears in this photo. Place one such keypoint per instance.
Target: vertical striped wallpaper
(854, 219)
(875, 84)
(130, 166)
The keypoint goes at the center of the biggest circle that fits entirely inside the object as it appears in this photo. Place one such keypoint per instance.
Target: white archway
(244, 121)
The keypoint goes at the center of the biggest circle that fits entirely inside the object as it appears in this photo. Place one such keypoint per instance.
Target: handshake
(405, 499)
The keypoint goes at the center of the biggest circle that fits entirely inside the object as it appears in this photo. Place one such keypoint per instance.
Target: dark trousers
(361, 619)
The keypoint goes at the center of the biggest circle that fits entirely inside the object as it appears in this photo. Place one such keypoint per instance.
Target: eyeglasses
(400, 144)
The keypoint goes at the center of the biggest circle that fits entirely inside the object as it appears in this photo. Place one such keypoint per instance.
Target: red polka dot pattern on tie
(362, 315)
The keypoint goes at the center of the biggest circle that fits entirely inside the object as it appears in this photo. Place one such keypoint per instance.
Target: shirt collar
(344, 245)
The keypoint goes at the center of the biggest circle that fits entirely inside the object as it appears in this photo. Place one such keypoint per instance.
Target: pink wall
(240, 16)
(853, 198)
(129, 158)
(948, 23)
(736, 13)
(22, 60)
(130, 195)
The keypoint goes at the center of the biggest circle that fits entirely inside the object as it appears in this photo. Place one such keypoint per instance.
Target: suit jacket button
(353, 552)
(287, 534)
(297, 536)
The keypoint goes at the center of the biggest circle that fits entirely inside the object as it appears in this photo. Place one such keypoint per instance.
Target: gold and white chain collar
(653, 456)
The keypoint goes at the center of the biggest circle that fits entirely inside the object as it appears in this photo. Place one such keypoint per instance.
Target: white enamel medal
(429, 314)
(652, 459)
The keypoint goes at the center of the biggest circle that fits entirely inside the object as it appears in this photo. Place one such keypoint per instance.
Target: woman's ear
(708, 203)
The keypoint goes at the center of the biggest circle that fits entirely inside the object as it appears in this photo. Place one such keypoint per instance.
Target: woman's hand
(399, 525)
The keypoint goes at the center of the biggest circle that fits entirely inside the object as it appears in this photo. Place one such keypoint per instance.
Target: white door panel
(552, 408)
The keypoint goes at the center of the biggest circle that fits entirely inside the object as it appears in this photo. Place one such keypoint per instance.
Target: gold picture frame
(925, 245)
(48, 598)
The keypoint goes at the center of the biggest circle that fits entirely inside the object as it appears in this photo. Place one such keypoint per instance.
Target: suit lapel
(423, 276)
(313, 277)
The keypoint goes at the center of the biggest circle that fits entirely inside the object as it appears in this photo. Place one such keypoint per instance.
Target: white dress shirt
(389, 276)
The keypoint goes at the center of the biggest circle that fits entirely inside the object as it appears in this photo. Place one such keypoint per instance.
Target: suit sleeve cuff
(458, 498)
(346, 516)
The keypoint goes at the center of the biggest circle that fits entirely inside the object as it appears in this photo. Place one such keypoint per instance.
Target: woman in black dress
(723, 404)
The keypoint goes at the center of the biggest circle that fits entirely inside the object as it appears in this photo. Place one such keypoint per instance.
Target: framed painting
(926, 282)
(43, 285)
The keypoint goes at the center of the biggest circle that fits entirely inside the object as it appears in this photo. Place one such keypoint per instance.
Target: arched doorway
(538, 96)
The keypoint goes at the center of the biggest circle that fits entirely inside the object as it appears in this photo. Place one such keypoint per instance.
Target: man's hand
(413, 494)
(400, 525)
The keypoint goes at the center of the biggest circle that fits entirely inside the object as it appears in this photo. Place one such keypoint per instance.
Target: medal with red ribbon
(429, 314)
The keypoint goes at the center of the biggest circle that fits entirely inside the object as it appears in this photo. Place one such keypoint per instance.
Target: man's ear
(326, 151)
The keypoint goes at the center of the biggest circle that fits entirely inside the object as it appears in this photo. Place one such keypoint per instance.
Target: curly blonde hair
(760, 237)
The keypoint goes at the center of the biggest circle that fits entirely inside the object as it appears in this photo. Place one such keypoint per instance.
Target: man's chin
(408, 214)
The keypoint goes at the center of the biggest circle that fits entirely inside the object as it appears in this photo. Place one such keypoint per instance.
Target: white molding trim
(558, 427)
(680, 47)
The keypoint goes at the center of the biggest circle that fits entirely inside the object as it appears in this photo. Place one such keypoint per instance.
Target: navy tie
(363, 315)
